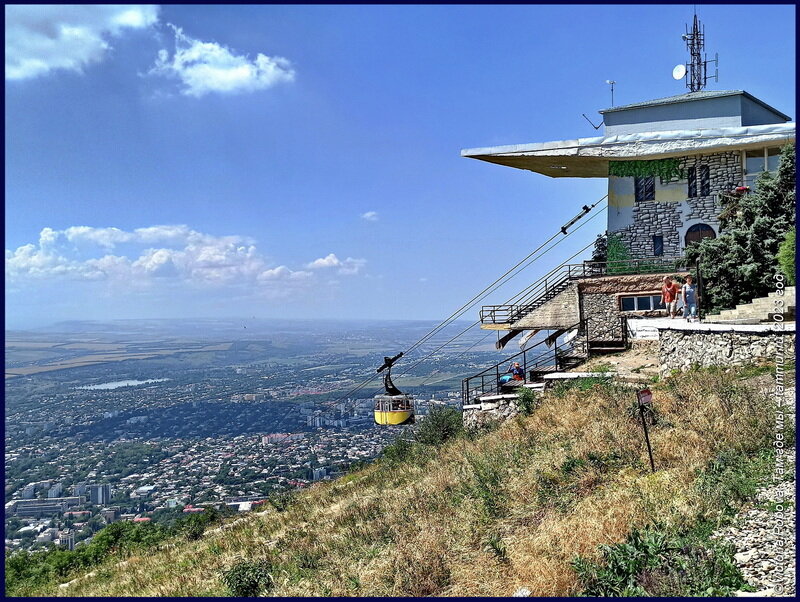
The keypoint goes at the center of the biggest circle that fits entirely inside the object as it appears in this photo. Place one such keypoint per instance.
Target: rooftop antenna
(696, 71)
(597, 127)
(611, 82)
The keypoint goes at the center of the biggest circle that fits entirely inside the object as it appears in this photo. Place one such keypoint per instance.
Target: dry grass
(480, 517)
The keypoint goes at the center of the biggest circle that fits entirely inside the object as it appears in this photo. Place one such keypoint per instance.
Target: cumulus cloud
(347, 267)
(206, 67)
(184, 255)
(370, 216)
(43, 38)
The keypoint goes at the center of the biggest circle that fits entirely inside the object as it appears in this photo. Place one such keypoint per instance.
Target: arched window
(698, 231)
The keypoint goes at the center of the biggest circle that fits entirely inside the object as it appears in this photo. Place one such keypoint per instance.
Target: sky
(304, 161)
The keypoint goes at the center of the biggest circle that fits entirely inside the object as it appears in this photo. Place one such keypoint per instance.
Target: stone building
(669, 164)
(716, 140)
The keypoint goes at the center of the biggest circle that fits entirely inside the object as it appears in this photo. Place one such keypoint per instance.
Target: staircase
(758, 310)
(557, 280)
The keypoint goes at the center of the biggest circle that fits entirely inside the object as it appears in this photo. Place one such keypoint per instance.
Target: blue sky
(304, 161)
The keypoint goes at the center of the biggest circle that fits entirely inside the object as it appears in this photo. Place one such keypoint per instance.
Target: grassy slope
(477, 517)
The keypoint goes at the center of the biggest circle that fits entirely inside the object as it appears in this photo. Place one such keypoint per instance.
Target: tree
(600, 252)
(741, 263)
(440, 425)
(786, 258)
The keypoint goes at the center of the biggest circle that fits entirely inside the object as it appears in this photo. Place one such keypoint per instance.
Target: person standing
(689, 295)
(669, 296)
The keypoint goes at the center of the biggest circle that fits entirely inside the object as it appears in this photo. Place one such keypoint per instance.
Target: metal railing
(532, 360)
(557, 280)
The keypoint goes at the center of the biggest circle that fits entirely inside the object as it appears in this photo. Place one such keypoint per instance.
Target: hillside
(487, 513)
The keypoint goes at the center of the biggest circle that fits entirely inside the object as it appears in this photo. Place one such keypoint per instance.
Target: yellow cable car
(394, 407)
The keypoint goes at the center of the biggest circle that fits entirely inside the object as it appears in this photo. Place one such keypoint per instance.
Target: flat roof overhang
(589, 157)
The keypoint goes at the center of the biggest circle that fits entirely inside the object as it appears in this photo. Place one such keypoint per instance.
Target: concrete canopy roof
(589, 157)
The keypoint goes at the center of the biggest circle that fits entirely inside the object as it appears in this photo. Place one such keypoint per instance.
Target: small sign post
(645, 398)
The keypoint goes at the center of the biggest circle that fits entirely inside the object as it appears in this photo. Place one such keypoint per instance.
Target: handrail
(490, 377)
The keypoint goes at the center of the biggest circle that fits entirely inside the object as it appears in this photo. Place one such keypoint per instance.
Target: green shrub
(398, 451)
(248, 578)
(440, 425)
(281, 500)
(527, 401)
(786, 260)
(656, 562)
(487, 483)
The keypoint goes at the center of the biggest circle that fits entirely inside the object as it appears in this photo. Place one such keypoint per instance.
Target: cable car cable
(489, 289)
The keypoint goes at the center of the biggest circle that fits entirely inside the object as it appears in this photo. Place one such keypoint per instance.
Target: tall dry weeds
(480, 517)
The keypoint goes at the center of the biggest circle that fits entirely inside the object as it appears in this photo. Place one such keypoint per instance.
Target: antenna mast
(696, 75)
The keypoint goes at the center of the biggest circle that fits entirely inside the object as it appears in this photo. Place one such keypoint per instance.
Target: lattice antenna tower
(696, 71)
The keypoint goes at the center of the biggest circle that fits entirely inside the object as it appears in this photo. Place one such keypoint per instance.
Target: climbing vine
(666, 169)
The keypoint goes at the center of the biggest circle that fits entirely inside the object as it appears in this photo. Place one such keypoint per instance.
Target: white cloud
(325, 262)
(347, 267)
(205, 67)
(158, 255)
(370, 216)
(42, 38)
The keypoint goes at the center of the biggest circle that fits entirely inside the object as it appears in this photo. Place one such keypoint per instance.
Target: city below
(151, 420)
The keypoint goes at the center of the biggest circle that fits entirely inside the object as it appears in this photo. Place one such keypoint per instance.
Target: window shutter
(705, 181)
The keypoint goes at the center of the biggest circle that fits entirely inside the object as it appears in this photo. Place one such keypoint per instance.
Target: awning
(589, 157)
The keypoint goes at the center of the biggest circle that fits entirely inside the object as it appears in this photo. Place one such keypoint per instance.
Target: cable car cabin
(393, 407)
(394, 410)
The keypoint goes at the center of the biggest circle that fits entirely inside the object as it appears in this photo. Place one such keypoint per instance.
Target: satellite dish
(679, 71)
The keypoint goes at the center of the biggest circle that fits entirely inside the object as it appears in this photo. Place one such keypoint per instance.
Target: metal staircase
(557, 280)
(536, 361)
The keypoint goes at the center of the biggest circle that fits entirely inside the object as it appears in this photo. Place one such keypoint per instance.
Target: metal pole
(699, 290)
(647, 437)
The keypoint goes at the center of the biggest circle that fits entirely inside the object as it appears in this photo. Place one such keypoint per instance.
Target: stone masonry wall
(600, 304)
(679, 349)
(602, 317)
(479, 415)
(665, 218)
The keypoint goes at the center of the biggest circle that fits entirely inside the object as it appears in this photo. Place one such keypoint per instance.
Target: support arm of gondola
(388, 361)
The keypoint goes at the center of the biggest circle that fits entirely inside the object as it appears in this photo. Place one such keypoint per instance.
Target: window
(699, 231)
(645, 188)
(756, 161)
(700, 173)
(640, 303)
(773, 158)
(658, 245)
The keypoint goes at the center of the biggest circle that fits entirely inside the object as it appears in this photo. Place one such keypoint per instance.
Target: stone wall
(670, 219)
(678, 349)
(478, 415)
(599, 302)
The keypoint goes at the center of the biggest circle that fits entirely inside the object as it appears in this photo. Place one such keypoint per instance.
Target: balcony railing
(535, 360)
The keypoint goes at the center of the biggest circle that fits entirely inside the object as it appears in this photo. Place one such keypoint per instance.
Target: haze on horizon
(303, 162)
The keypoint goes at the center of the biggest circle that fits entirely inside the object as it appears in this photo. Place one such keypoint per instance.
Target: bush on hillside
(440, 425)
(653, 562)
(248, 578)
(527, 401)
(786, 254)
(398, 451)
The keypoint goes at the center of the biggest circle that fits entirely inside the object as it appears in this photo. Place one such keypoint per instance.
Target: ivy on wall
(666, 169)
